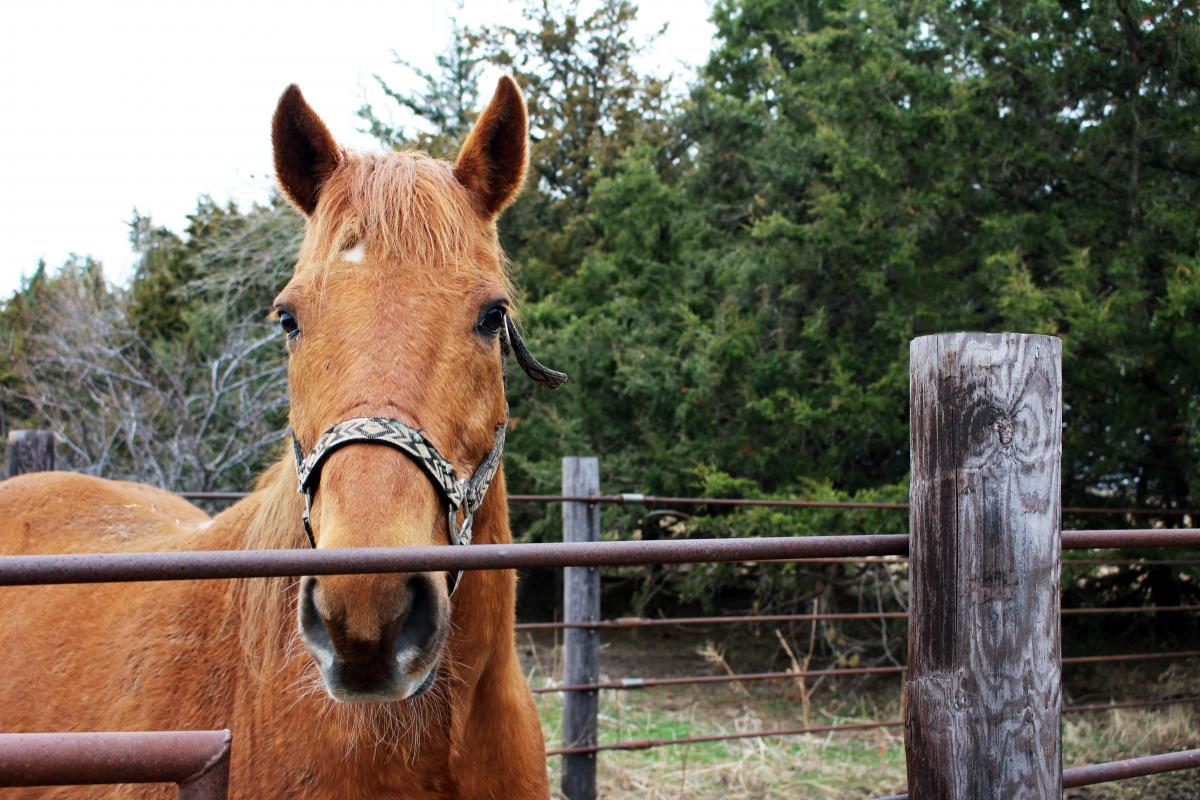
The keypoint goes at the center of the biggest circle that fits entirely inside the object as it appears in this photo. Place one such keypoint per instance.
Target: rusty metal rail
(646, 744)
(631, 498)
(1110, 539)
(630, 683)
(191, 565)
(1107, 772)
(198, 761)
(205, 564)
(652, 622)
(689, 680)
(1130, 768)
(1116, 562)
(658, 622)
(1131, 562)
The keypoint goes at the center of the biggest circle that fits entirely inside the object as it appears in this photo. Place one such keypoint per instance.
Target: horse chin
(391, 690)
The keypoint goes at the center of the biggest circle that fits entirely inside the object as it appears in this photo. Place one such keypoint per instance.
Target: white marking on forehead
(355, 254)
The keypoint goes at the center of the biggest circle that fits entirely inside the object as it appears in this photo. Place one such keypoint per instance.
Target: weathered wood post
(983, 689)
(30, 451)
(581, 603)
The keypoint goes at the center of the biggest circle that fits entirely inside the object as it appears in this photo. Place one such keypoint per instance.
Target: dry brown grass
(846, 765)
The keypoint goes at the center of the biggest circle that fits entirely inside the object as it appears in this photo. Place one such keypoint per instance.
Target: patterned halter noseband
(460, 495)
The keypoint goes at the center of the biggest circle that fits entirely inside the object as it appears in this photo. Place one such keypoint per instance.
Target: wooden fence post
(581, 603)
(30, 451)
(983, 688)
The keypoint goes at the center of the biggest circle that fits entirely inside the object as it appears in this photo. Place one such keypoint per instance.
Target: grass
(836, 765)
(831, 765)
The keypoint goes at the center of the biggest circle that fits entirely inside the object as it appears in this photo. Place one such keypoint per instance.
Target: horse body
(176, 655)
(382, 323)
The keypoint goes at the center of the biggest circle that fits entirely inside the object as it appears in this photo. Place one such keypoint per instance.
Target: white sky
(105, 107)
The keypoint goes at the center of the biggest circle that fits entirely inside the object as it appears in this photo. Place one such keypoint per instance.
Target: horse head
(396, 321)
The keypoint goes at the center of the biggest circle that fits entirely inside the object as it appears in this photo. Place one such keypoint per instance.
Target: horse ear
(492, 161)
(305, 152)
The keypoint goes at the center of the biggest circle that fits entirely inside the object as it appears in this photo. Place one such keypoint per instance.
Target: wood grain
(983, 689)
(30, 451)
(581, 653)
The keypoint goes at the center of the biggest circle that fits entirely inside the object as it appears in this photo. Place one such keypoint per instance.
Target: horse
(396, 322)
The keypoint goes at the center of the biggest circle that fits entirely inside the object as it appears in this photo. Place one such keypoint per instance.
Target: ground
(835, 765)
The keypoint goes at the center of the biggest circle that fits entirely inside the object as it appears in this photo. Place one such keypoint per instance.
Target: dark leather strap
(550, 378)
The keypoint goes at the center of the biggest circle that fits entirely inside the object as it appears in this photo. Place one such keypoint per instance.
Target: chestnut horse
(338, 686)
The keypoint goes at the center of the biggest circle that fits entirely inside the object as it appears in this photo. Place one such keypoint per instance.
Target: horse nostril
(360, 657)
(312, 624)
(413, 631)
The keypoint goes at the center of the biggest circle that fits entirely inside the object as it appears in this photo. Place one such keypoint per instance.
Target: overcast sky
(105, 107)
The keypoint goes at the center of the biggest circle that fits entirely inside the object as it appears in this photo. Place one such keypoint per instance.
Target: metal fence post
(581, 603)
(983, 689)
(30, 451)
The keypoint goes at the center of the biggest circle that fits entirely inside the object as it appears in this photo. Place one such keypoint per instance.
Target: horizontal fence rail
(1107, 772)
(630, 683)
(207, 564)
(1130, 768)
(647, 744)
(1115, 562)
(1114, 539)
(632, 498)
(757, 619)
(749, 619)
(198, 761)
(738, 677)
(202, 564)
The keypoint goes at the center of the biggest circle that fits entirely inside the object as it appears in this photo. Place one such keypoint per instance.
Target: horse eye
(288, 322)
(491, 320)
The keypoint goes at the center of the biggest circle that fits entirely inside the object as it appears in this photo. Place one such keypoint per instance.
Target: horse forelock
(405, 205)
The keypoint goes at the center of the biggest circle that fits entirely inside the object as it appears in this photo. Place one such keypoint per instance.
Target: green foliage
(587, 104)
(446, 103)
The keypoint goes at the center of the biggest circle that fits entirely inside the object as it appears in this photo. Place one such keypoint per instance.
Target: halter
(460, 495)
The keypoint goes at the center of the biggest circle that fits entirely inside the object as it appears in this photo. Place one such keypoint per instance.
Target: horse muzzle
(391, 654)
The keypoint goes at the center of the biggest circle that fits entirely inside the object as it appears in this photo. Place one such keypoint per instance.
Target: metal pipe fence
(632, 683)
(757, 619)
(647, 744)
(949, 574)
(206, 564)
(197, 761)
(634, 498)
(193, 565)
(1139, 767)
(1116, 562)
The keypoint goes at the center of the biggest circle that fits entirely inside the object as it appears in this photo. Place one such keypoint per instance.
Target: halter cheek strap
(460, 495)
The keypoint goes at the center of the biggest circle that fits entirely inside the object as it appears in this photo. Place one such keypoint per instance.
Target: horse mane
(265, 605)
